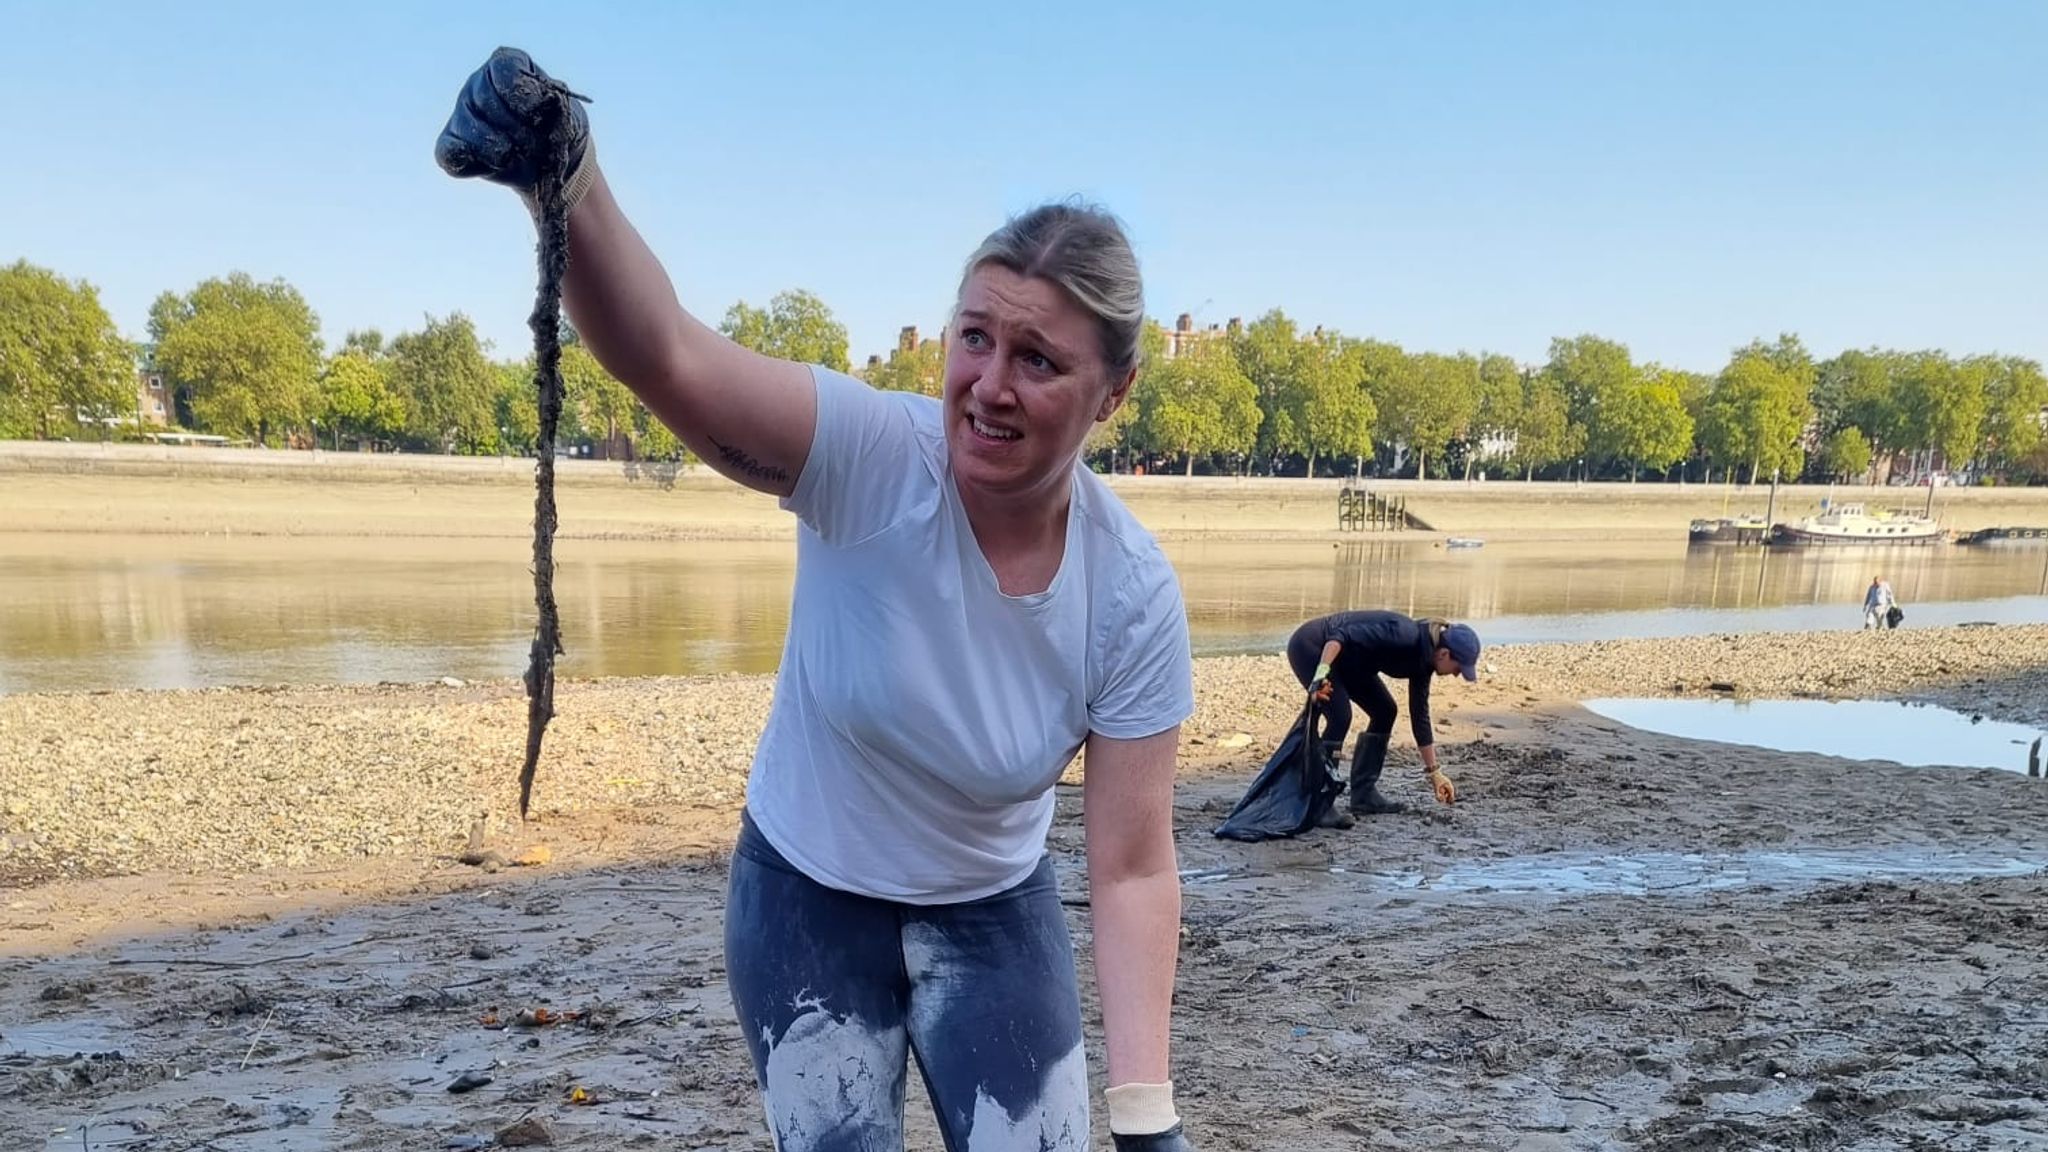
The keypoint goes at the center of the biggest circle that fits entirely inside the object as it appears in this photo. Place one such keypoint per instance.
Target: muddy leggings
(1304, 651)
(835, 991)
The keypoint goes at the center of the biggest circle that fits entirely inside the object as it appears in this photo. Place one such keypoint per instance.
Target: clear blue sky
(1681, 177)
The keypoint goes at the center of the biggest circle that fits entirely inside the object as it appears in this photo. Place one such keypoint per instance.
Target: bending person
(972, 608)
(1341, 657)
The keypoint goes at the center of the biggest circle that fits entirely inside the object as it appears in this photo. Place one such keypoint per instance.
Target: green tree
(1598, 381)
(1312, 398)
(604, 405)
(1499, 406)
(1845, 453)
(449, 387)
(1336, 414)
(654, 441)
(1941, 404)
(1544, 432)
(1114, 435)
(1855, 389)
(244, 356)
(368, 341)
(1759, 408)
(796, 325)
(2015, 394)
(1694, 390)
(1197, 403)
(1647, 423)
(921, 369)
(1429, 406)
(60, 354)
(515, 411)
(356, 397)
(1270, 353)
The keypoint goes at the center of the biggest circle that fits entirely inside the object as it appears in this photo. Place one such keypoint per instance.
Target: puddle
(58, 1039)
(1650, 873)
(1917, 735)
(1570, 874)
(108, 1134)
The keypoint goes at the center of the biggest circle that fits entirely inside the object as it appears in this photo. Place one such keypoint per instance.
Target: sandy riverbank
(1570, 958)
(256, 778)
(137, 489)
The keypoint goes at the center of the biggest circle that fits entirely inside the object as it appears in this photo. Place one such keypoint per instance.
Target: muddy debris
(1616, 940)
(530, 1132)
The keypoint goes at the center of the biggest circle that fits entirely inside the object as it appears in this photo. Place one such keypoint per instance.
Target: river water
(95, 612)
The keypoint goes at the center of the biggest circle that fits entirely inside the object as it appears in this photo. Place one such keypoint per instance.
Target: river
(82, 612)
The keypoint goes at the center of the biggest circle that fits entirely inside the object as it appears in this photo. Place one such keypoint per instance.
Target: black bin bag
(1292, 792)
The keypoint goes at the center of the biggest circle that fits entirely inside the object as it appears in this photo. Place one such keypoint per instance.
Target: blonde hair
(1082, 249)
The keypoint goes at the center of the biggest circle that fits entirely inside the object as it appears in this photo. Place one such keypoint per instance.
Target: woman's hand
(1446, 792)
(749, 416)
(505, 122)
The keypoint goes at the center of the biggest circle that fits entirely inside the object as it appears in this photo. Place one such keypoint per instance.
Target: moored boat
(1851, 524)
(2006, 536)
(1728, 530)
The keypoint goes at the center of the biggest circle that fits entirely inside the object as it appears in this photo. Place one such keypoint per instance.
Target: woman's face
(1447, 664)
(1025, 380)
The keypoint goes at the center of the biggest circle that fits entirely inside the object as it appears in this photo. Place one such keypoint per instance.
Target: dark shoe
(1367, 762)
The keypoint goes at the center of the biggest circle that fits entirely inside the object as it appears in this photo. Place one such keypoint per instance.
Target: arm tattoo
(746, 463)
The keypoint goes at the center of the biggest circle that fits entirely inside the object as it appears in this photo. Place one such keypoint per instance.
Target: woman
(972, 607)
(1340, 658)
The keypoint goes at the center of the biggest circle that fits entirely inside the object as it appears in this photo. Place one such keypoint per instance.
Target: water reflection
(92, 612)
(1917, 735)
(1567, 875)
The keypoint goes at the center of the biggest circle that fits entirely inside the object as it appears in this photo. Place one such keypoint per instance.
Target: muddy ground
(1614, 940)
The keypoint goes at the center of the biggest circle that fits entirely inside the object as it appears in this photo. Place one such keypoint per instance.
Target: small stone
(527, 1133)
(482, 950)
(452, 682)
(468, 1082)
(534, 857)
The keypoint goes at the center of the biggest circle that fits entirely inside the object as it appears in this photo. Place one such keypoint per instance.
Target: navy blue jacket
(1385, 644)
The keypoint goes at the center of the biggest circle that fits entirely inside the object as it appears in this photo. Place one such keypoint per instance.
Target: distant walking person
(1878, 604)
(1341, 657)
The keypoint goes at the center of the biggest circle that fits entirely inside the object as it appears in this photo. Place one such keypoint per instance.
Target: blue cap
(1464, 645)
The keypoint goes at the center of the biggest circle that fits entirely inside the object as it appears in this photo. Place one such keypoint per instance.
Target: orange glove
(1446, 792)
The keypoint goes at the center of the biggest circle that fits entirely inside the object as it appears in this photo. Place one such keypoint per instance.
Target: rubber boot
(1335, 817)
(1366, 764)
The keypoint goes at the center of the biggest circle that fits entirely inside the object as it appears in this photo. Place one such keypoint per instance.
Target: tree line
(244, 359)
(1268, 398)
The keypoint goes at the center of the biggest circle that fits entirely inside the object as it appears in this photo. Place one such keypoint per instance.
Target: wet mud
(1616, 939)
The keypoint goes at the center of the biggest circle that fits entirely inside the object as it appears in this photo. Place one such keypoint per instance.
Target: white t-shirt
(921, 715)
